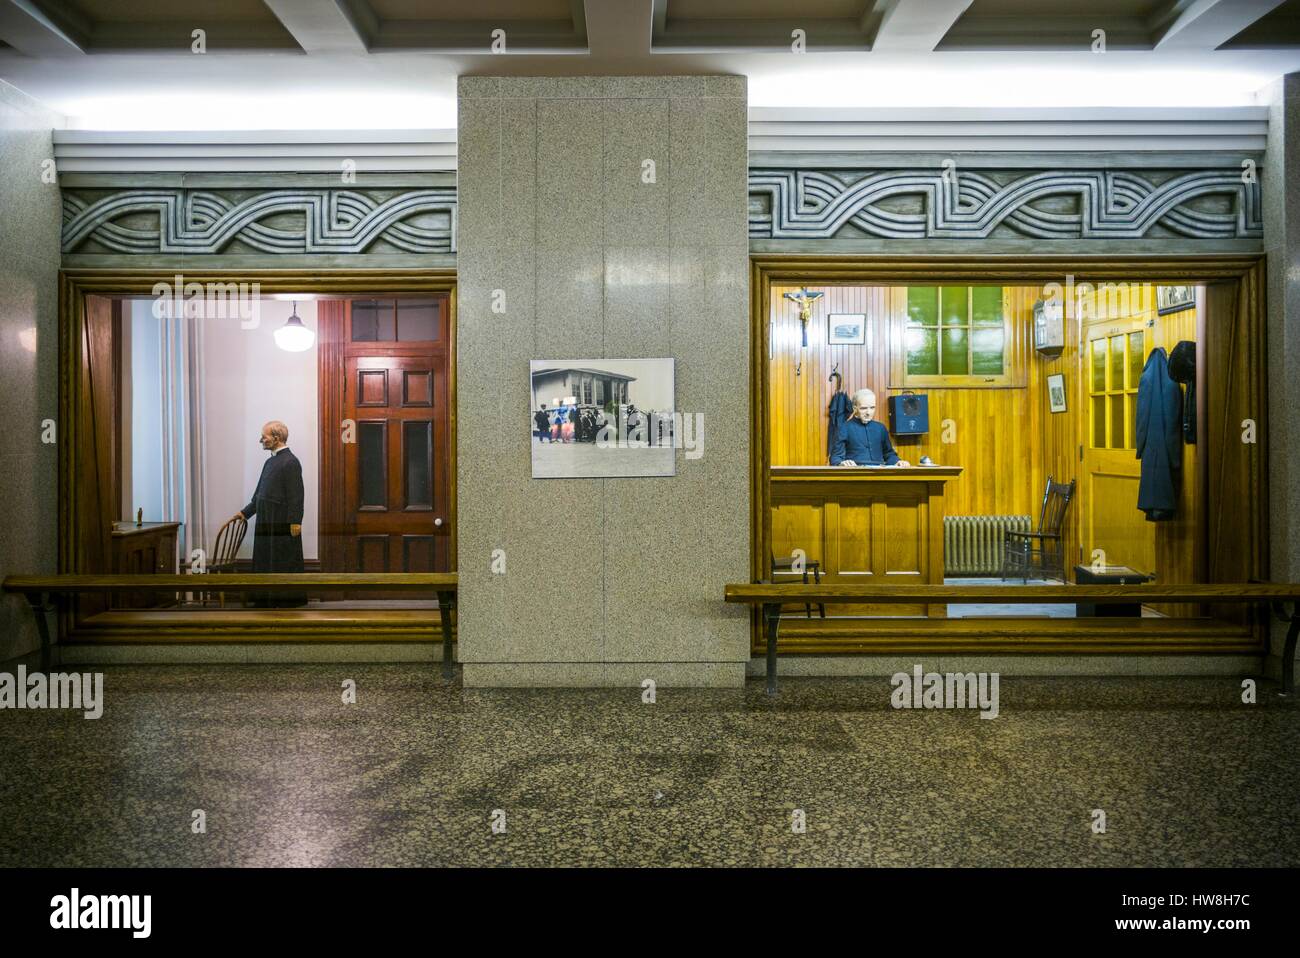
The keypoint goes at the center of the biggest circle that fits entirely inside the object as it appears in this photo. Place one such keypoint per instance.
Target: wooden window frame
(898, 327)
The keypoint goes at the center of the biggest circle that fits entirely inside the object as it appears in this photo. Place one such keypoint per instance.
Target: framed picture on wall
(1056, 392)
(846, 329)
(602, 418)
(1172, 299)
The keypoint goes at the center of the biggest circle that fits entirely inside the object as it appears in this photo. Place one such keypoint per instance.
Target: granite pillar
(30, 221)
(567, 250)
(1282, 246)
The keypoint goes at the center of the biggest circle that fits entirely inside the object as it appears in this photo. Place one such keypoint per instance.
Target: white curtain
(180, 382)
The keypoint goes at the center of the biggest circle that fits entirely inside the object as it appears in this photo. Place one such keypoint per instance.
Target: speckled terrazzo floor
(288, 775)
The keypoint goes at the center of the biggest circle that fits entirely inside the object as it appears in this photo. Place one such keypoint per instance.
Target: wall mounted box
(1049, 327)
(909, 414)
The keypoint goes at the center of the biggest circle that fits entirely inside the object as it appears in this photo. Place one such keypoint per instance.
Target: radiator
(973, 545)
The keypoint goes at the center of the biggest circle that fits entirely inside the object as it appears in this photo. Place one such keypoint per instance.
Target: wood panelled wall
(1005, 437)
(991, 438)
(1176, 547)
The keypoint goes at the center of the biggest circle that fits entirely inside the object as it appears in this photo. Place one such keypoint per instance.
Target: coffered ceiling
(391, 63)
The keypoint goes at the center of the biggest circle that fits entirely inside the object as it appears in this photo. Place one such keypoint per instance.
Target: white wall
(247, 381)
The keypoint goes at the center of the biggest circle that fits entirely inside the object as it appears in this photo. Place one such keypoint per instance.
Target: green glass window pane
(1135, 359)
(1116, 363)
(954, 360)
(922, 306)
(986, 305)
(986, 351)
(1116, 422)
(1098, 380)
(953, 309)
(922, 352)
(1099, 422)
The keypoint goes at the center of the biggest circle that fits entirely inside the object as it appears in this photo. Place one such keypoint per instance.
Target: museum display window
(1128, 448)
(257, 424)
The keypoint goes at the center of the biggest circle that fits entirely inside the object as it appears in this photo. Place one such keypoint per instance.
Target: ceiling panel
(1056, 25)
(1278, 29)
(99, 26)
(166, 11)
(478, 10)
(765, 9)
(1027, 53)
(1043, 9)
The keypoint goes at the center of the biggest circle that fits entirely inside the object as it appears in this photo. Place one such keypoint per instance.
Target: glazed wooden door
(395, 461)
(1114, 531)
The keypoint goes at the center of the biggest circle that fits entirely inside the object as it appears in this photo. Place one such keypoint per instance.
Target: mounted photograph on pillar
(602, 418)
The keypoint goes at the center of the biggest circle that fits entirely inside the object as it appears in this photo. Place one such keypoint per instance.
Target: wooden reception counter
(865, 523)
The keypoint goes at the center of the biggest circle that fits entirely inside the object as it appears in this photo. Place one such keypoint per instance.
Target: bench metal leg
(40, 609)
(1292, 618)
(772, 618)
(1288, 653)
(445, 601)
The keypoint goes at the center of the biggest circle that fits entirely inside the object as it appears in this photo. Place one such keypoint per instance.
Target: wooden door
(395, 463)
(95, 495)
(1113, 355)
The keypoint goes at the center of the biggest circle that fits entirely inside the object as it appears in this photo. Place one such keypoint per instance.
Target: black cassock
(277, 504)
(1159, 438)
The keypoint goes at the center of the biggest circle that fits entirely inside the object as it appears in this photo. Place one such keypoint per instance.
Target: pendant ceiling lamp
(293, 336)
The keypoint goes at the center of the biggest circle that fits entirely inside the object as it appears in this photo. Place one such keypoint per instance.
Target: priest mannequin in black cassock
(277, 505)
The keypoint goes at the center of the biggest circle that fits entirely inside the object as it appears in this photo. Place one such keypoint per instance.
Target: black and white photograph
(601, 418)
(1173, 299)
(1056, 392)
(846, 329)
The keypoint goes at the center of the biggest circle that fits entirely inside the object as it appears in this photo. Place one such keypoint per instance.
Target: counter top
(870, 473)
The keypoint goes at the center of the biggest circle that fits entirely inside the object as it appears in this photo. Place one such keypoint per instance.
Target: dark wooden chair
(1043, 550)
(229, 538)
(786, 564)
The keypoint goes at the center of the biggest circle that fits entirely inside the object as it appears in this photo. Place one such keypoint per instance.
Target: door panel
(394, 485)
(1115, 352)
(391, 367)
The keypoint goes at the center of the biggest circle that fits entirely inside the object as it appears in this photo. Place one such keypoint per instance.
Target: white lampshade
(293, 336)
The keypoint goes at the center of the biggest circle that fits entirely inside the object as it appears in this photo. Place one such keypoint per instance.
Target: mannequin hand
(295, 529)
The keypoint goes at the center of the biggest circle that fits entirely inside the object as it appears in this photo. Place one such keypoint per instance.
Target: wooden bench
(45, 593)
(771, 597)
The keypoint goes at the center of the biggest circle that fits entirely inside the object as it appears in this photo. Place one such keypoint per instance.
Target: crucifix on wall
(804, 300)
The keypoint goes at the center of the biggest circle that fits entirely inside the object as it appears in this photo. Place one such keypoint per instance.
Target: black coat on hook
(840, 408)
(1159, 439)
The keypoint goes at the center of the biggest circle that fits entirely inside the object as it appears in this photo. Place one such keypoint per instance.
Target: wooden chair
(229, 538)
(786, 564)
(1044, 548)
